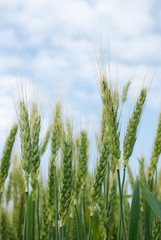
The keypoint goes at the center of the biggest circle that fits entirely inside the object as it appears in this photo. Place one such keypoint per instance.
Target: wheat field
(75, 203)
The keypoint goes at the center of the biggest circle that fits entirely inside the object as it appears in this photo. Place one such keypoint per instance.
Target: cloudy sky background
(49, 43)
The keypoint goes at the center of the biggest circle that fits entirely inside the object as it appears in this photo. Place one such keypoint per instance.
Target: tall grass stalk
(84, 215)
(56, 132)
(33, 220)
(38, 224)
(121, 206)
(27, 216)
(61, 230)
(56, 204)
(25, 220)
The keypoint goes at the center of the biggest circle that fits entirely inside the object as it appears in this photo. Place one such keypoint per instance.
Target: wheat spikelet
(6, 156)
(102, 217)
(45, 142)
(26, 146)
(66, 182)
(45, 224)
(124, 94)
(130, 137)
(112, 209)
(100, 171)
(6, 229)
(111, 119)
(56, 132)
(126, 213)
(82, 165)
(115, 99)
(156, 230)
(35, 133)
(156, 151)
(9, 189)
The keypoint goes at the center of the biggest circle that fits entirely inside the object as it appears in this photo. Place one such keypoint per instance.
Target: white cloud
(50, 39)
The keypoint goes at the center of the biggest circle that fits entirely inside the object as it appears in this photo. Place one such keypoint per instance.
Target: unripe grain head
(66, 181)
(6, 156)
(26, 146)
(35, 124)
(111, 118)
(156, 151)
(130, 137)
(100, 171)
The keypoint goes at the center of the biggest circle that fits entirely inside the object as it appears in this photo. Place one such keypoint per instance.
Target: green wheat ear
(6, 156)
(100, 171)
(9, 189)
(112, 207)
(6, 229)
(115, 98)
(124, 93)
(45, 141)
(102, 217)
(130, 137)
(26, 146)
(35, 134)
(66, 181)
(82, 164)
(111, 119)
(18, 196)
(156, 151)
(56, 134)
(156, 230)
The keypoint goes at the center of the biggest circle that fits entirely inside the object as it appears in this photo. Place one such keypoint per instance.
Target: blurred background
(50, 47)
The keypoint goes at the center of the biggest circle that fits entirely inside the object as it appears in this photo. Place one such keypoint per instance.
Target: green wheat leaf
(134, 214)
(152, 201)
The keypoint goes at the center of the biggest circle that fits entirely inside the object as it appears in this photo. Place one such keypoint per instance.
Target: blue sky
(47, 43)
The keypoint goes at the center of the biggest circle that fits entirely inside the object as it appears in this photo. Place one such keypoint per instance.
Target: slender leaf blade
(134, 214)
(153, 202)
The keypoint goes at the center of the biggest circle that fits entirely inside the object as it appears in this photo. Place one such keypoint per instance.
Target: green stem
(27, 217)
(84, 215)
(33, 219)
(121, 208)
(38, 225)
(90, 230)
(123, 180)
(107, 190)
(60, 233)
(77, 221)
(49, 230)
(122, 189)
(119, 229)
(53, 232)
(141, 231)
(56, 204)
